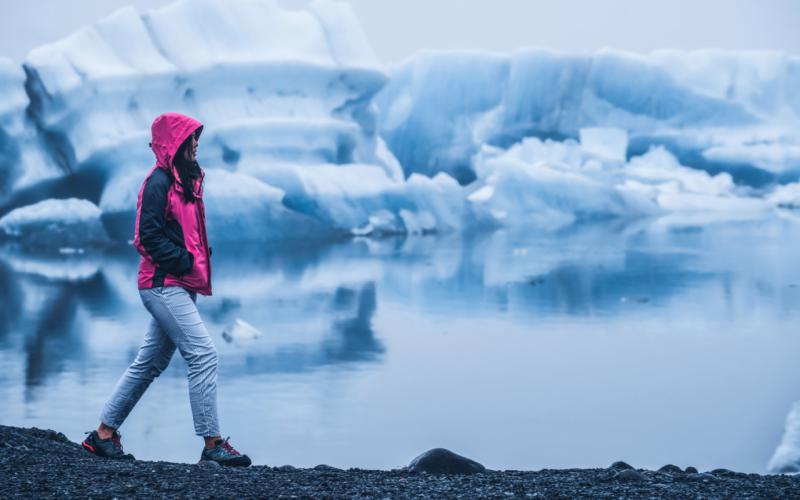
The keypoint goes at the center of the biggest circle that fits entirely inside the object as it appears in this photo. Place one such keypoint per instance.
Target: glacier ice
(714, 110)
(786, 196)
(553, 184)
(362, 199)
(267, 82)
(23, 157)
(53, 224)
(606, 143)
(786, 458)
(308, 136)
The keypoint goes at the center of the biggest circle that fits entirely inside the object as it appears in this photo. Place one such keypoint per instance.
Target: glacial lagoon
(654, 342)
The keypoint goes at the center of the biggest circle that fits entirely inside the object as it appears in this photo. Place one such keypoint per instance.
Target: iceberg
(786, 458)
(239, 207)
(362, 200)
(308, 136)
(551, 184)
(717, 111)
(55, 224)
(290, 141)
(268, 83)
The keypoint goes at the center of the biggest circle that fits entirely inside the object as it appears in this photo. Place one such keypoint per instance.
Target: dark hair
(188, 171)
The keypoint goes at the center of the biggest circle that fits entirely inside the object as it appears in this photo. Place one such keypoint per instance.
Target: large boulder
(442, 461)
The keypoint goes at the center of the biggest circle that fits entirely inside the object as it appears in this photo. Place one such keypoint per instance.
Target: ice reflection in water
(645, 342)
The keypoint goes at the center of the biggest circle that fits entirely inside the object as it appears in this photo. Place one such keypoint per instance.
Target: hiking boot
(224, 454)
(108, 448)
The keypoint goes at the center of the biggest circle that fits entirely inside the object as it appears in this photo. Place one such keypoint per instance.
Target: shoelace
(227, 447)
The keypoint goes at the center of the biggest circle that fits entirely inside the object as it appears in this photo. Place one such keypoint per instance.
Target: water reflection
(582, 271)
(73, 322)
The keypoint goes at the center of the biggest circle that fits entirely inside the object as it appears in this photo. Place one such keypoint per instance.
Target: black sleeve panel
(174, 259)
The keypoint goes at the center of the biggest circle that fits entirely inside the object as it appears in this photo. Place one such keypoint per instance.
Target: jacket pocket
(175, 232)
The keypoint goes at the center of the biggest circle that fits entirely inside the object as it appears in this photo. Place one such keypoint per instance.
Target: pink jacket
(171, 232)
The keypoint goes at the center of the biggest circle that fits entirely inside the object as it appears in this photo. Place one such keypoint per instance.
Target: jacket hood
(168, 133)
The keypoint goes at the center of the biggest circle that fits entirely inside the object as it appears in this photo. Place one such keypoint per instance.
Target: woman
(175, 267)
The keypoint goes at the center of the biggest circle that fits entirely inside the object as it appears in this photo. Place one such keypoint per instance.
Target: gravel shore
(38, 463)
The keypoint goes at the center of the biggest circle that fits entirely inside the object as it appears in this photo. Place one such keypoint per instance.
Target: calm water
(651, 343)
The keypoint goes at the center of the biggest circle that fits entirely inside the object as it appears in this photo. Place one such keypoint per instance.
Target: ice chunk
(786, 458)
(53, 224)
(242, 208)
(606, 143)
(240, 331)
(363, 199)
(550, 184)
(786, 196)
(773, 156)
(514, 191)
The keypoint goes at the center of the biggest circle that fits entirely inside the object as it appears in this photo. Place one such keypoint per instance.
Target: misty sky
(398, 28)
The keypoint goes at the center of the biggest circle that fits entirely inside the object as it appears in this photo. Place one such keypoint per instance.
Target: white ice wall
(267, 82)
(719, 107)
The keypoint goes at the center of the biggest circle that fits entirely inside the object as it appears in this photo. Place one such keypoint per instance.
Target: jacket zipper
(202, 224)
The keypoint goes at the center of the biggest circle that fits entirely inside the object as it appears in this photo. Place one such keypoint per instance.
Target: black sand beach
(38, 463)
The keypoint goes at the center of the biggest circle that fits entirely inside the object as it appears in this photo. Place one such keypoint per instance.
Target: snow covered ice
(307, 135)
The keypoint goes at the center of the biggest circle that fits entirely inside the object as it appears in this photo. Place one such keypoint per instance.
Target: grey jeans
(175, 323)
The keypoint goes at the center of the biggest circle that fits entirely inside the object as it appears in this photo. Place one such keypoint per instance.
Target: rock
(691, 470)
(286, 468)
(442, 461)
(702, 476)
(671, 469)
(208, 463)
(620, 465)
(723, 472)
(328, 468)
(607, 475)
(630, 475)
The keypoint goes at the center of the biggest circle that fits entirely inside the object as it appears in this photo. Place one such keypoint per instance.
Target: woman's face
(190, 153)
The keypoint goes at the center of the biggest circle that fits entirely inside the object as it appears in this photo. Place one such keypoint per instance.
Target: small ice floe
(786, 458)
(240, 331)
(634, 300)
(70, 251)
